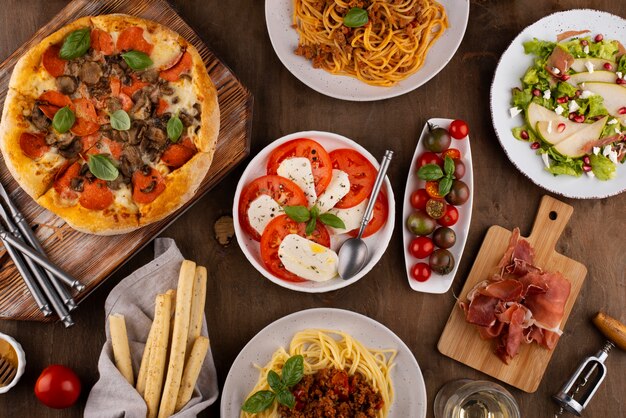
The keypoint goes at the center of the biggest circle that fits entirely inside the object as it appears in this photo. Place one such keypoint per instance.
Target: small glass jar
(474, 399)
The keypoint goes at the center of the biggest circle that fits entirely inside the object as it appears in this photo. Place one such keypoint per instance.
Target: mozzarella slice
(338, 187)
(261, 211)
(308, 259)
(352, 217)
(298, 170)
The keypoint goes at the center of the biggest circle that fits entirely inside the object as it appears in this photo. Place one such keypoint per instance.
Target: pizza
(110, 122)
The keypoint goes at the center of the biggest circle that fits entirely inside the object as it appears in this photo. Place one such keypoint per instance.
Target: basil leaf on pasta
(259, 402)
(355, 18)
(286, 398)
(76, 44)
(273, 379)
(63, 120)
(293, 370)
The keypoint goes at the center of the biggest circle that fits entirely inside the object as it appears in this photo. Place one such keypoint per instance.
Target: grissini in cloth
(112, 396)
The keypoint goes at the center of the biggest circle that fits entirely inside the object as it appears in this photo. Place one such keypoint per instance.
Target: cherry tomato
(429, 158)
(453, 153)
(450, 217)
(421, 247)
(57, 387)
(419, 199)
(432, 188)
(458, 129)
(420, 272)
(361, 173)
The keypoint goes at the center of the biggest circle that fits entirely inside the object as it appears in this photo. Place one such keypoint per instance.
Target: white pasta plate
(284, 38)
(376, 243)
(408, 383)
(512, 66)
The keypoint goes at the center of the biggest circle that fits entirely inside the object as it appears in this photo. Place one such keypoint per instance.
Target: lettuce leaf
(621, 66)
(517, 133)
(592, 106)
(565, 89)
(521, 98)
(573, 47)
(602, 167)
(538, 47)
(531, 76)
(559, 168)
(605, 49)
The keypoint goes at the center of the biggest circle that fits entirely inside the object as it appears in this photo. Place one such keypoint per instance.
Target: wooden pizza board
(462, 342)
(73, 251)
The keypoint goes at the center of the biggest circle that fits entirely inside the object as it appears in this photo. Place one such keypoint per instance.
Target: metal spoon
(353, 252)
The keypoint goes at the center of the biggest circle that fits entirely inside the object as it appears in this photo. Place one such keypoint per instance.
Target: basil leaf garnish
(286, 398)
(120, 121)
(310, 226)
(297, 213)
(448, 166)
(430, 172)
(259, 402)
(445, 184)
(273, 379)
(293, 370)
(356, 17)
(102, 167)
(63, 120)
(174, 128)
(137, 60)
(332, 220)
(76, 44)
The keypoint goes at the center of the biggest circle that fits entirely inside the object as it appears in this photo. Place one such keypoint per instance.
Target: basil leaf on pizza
(76, 44)
(137, 60)
(63, 120)
(102, 167)
(174, 128)
(120, 121)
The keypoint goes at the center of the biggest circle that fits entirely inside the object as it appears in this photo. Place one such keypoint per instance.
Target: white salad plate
(376, 243)
(438, 283)
(512, 67)
(408, 383)
(284, 38)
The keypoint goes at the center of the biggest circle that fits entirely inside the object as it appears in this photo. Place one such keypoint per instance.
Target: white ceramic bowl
(377, 243)
(21, 361)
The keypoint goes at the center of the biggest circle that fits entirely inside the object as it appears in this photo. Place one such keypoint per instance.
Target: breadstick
(143, 369)
(158, 353)
(179, 339)
(192, 370)
(121, 350)
(197, 307)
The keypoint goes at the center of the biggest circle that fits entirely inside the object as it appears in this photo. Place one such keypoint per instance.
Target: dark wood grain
(240, 301)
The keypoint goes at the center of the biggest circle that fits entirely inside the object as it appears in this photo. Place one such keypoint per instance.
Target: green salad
(573, 99)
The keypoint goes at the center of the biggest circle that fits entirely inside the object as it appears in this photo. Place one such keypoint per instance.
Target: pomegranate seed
(579, 118)
(607, 66)
(536, 92)
(560, 127)
(562, 100)
(524, 134)
(620, 81)
(578, 93)
(565, 77)
(599, 38)
(622, 110)
(535, 145)
(586, 167)
(571, 116)
(584, 42)
(586, 160)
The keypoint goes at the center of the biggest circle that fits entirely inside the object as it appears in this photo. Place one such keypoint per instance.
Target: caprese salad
(307, 199)
(573, 99)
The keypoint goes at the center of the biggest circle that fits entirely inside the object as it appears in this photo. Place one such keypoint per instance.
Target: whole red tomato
(57, 387)
(419, 199)
(450, 217)
(421, 272)
(429, 158)
(458, 129)
(421, 247)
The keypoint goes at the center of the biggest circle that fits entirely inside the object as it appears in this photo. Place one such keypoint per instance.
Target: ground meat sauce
(331, 393)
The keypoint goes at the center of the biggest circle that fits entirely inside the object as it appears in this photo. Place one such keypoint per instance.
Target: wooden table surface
(240, 302)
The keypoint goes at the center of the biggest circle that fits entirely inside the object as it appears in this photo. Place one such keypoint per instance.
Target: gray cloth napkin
(133, 297)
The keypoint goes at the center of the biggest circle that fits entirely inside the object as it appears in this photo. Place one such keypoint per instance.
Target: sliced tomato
(147, 186)
(102, 41)
(33, 145)
(96, 195)
(132, 39)
(51, 101)
(182, 66)
(361, 173)
(432, 188)
(51, 61)
(307, 148)
(64, 178)
(379, 216)
(176, 155)
(453, 153)
(282, 190)
(275, 232)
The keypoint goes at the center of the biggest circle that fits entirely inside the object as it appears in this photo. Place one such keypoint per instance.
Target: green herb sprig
(432, 172)
(63, 120)
(292, 373)
(356, 17)
(174, 128)
(302, 214)
(137, 60)
(102, 167)
(76, 44)
(120, 121)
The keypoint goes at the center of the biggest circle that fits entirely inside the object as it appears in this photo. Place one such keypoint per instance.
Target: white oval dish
(408, 383)
(21, 361)
(438, 283)
(512, 66)
(284, 38)
(377, 243)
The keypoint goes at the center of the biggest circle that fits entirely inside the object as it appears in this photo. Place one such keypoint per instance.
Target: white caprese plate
(376, 244)
(284, 38)
(511, 68)
(408, 383)
(438, 283)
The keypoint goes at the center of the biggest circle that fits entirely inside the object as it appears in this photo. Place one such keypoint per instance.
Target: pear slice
(580, 64)
(536, 113)
(596, 76)
(573, 144)
(551, 134)
(614, 97)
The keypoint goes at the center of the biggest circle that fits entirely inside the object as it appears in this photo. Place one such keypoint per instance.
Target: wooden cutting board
(461, 341)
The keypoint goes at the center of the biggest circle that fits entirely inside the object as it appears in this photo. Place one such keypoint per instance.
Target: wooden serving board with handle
(461, 340)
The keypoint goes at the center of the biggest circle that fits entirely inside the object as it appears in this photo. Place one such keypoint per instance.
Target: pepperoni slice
(183, 66)
(147, 187)
(83, 127)
(86, 118)
(176, 155)
(51, 101)
(102, 41)
(137, 84)
(51, 61)
(132, 39)
(63, 180)
(89, 141)
(96, 195)
(162, 107)
(115, 148)
(127, 102)
(33, 145)
(116, 86)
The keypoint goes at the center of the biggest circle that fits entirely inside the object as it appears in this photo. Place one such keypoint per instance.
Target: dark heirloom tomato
(361, 174)
(419, 199)
(303, 147)
(441, 261)
(419, 223)
(444, 237)
(459, 169)
(282, 190)
(437, 140)
(273, 235)
(429, 158)
(379, 216)
(459, 193)
(57, 387)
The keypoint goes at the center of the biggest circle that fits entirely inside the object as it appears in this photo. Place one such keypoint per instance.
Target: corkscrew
(575, 395)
